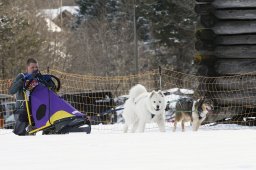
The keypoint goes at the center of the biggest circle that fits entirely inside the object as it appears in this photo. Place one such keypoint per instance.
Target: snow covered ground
(221, 147)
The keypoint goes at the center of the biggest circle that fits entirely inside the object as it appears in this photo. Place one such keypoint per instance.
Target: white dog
(143, 107)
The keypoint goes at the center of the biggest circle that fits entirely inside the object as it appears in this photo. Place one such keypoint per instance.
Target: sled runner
(48, 112)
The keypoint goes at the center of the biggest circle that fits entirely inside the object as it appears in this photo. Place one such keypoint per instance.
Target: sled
(49, 113)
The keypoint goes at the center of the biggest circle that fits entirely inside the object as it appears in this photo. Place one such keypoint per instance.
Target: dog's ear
(152, 93)
(201, 99)
(161, 93)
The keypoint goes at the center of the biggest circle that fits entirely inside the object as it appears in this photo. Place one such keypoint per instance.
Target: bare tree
(103, 47)
(24, 33)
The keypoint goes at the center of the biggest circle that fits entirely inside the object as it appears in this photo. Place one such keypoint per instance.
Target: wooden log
(204, 1)
(222, 113)
(227, 52)
(241, 52)
(225, 14)
(228, 27)
(235, 14)
(208, 35)
(226, 43)
(221, 4)
(236, 39)
(235, 66)
(246, 82)
(244, 98)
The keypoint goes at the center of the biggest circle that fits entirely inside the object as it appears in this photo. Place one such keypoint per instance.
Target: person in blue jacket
(17, 88)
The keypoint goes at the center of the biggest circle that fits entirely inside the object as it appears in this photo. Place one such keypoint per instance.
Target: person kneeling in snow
(17, 87)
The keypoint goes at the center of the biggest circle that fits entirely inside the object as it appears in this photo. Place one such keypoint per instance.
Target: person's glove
(31, 76)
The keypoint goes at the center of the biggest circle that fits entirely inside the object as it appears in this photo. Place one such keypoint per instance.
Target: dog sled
(48, 112)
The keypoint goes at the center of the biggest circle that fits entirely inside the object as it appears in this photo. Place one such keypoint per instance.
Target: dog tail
(136, 91)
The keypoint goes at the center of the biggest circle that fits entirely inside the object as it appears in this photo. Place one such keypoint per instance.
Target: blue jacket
(17, 88)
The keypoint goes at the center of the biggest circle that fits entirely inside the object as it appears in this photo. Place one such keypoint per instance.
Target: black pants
(21, 123)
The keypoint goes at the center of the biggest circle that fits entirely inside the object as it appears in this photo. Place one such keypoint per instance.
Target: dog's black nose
(157, 106)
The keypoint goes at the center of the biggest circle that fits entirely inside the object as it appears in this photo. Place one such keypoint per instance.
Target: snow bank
(205, 149)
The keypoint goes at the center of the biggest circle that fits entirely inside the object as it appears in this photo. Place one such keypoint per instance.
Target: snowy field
(219, 147)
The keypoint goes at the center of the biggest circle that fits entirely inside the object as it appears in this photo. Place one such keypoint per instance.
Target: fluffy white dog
(143, 107)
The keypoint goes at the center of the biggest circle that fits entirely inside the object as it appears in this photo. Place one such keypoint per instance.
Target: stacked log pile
(226, 45)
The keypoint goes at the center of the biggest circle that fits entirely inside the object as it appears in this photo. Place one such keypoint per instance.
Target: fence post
(160, 77)
(48, 70)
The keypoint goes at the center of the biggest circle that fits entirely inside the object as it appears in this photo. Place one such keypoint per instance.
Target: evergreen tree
(95, 9)
(172, 21)
(164, 27)
(172, 24)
